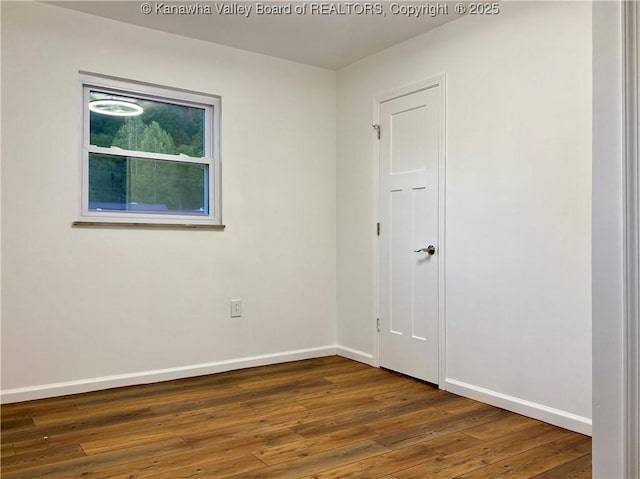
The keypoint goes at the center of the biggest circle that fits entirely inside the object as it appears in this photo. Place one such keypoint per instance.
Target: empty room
(312, 239)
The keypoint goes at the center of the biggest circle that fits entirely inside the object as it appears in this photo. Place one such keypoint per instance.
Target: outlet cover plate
(236, 308)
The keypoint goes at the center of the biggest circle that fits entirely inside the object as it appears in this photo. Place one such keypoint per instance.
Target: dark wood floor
(325, 418)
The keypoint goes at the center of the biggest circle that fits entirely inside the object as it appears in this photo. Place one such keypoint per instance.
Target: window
(149, 154)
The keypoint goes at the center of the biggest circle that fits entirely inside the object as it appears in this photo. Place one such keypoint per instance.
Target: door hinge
(377, 128)
(378, 324)
(378, 229)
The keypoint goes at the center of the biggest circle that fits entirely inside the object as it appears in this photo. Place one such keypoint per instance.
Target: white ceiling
(328, 41)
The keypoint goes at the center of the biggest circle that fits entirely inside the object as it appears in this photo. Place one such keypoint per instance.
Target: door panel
(409, 161)
(407, 149)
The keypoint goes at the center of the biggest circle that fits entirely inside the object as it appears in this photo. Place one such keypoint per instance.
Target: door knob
(429, 249)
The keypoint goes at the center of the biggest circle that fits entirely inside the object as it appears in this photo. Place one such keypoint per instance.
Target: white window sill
(113, 224)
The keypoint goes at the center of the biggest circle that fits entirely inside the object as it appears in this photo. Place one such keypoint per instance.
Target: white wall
(83, 304)
(518, 193)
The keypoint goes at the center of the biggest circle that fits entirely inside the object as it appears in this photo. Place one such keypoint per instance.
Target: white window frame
(211, 105)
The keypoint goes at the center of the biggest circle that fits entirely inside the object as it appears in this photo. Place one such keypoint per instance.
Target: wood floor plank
(360, 416)
(572, 442)
(409, 389)
(327, 404)
(8, 450)
(399, 459)
(16, 422)
(458, 404)
(301, 395)
(265, 419)
(401, 422)
(72, 429)
(471, 459)
(172, 397)
(41, 457)
(308, 447)
(31, 408)
(501, 426)
(85, 467)
(325, 418)
(241, 440)
(92, 418)
(316, 463)
(286, 373)
(185, 464)
(71, 432)
(126, 438)
(579, 468)
(439, 427)
(245, 396)
(525, 464)
(366, 377)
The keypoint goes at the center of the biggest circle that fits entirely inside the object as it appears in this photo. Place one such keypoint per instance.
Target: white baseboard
(553, 416)
(146, 377)
(354, 354)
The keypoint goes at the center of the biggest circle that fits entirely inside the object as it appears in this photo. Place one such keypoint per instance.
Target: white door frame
(631, 102)
(438, 80)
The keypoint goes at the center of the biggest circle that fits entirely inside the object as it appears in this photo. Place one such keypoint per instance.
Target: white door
(409, 159)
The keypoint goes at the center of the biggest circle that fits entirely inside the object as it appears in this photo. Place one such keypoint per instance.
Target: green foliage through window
(162, 128)
(141, 184)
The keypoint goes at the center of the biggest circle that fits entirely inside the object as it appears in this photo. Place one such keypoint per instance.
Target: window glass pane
(121, 183)
(145, 125)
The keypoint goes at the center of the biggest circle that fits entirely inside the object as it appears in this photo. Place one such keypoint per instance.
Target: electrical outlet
(236, 308)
